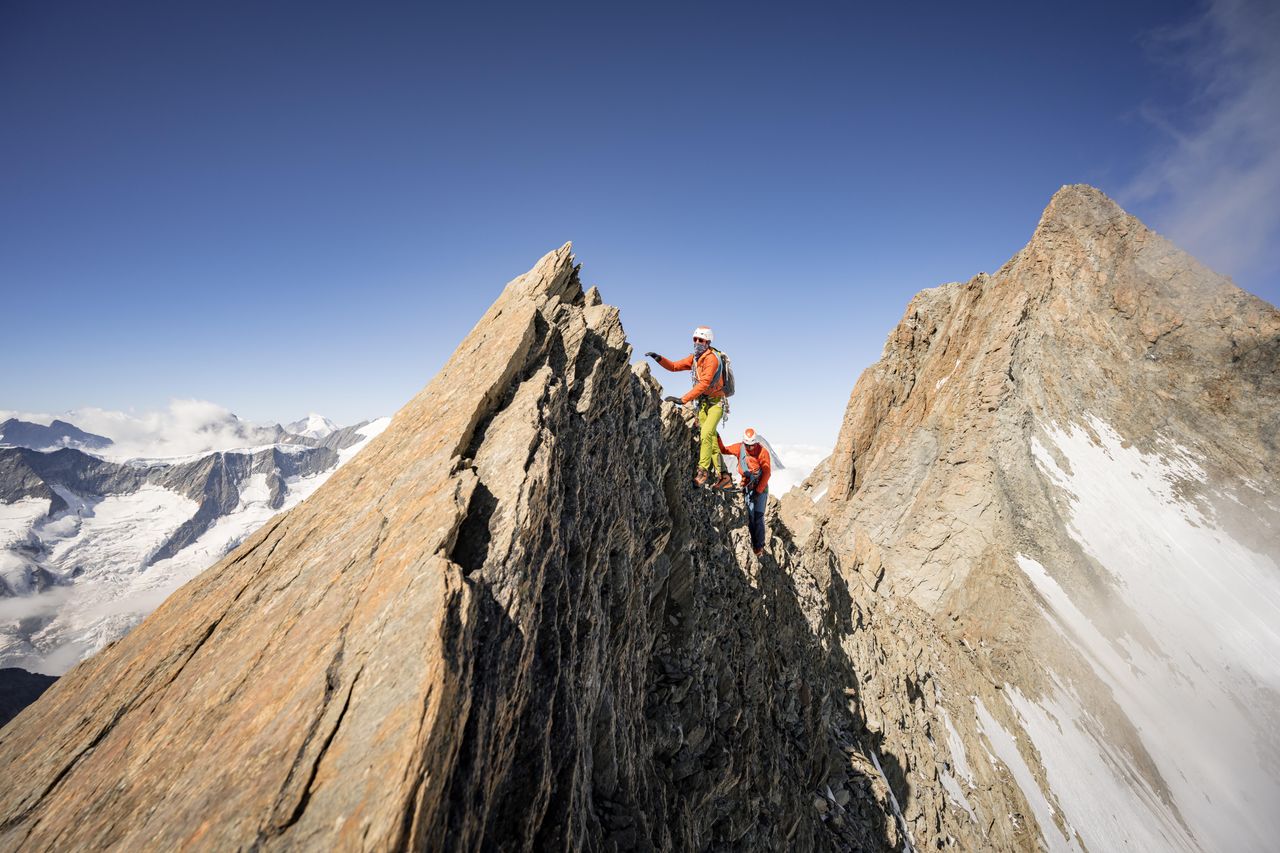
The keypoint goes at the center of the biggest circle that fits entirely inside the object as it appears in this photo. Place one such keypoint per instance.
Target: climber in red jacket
(755, 461)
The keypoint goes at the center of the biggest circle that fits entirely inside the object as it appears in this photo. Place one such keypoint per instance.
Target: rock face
(512, 623)
(1071, 466)
(509, 621)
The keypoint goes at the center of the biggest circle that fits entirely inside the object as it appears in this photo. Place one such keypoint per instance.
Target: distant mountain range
(92, 539)
(55, 435)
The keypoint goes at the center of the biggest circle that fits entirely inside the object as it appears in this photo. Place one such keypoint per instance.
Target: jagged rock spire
(510, 621)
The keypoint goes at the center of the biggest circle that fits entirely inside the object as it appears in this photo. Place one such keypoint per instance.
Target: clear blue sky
(292, 207)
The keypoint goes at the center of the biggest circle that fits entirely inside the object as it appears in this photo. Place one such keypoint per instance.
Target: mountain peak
(1081, 207)
(1083, 439)
(514, 619)
(57, 434)
(312, 426)
(551, 276)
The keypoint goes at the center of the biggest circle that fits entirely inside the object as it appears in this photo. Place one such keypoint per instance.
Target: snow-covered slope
(1199, 613)
(88, 547)
(312, 426)
(1071, 467)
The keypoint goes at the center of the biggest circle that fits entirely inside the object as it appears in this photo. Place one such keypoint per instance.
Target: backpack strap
(715, 377)
(748, 476)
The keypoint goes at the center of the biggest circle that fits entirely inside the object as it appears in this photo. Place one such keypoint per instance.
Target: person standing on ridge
(707, 393)
(756, 461)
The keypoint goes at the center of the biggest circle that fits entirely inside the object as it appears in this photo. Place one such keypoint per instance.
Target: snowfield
(97, 551)
(1198, 673)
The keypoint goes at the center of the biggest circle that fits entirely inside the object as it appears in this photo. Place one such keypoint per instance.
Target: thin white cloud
(30, 417)
(185, 428)
(1214, 185)
(800, 459)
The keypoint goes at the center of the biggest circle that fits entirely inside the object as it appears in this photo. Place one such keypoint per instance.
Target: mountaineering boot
(725, 481)
(700, 478)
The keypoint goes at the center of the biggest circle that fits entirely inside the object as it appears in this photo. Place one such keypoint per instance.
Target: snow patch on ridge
(959, 759)
(1198, 693)
(1102, 796)
(1005, 746)
(959, 766)
(956, 793)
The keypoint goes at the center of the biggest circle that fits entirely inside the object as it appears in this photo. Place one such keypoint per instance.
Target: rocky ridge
(510, 620)
(56, 434)
(1065, 466)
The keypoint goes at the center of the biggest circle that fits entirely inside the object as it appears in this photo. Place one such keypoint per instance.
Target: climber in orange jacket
(708, 393)
(755, 462)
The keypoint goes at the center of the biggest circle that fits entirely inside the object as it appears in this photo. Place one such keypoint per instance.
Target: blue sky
(303, 207)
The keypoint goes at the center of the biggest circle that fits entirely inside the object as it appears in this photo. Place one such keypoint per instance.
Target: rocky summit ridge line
(1070, 465)
(511, 621)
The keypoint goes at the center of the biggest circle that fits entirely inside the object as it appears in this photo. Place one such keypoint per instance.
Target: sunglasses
(701, 341)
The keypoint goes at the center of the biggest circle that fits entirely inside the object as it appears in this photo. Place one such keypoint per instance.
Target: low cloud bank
(800, 460)
(185, 428)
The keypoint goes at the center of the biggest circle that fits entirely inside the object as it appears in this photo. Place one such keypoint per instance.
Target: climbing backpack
(723, 369)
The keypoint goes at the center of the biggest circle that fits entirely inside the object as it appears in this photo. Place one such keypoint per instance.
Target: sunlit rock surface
(1026, 604)
(1070, 465)
(510, 621)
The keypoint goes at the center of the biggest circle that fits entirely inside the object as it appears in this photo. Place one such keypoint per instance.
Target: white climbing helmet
(704, 332)
(751, 438)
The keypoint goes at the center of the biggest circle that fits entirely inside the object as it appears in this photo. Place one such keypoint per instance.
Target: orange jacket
(757, 460)
(708, 364)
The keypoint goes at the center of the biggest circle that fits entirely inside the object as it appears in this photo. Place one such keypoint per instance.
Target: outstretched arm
(685, 363)
(727, 450)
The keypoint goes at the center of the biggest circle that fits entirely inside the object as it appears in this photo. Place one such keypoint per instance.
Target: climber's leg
(756, 503)
(709, 414)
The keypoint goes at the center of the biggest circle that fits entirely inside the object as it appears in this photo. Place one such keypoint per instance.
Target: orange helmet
(749, 437)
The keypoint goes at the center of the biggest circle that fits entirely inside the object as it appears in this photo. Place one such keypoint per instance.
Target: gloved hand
(676, 400)
(653, 355)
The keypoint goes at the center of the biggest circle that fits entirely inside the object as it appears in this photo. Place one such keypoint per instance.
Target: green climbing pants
(710, 410)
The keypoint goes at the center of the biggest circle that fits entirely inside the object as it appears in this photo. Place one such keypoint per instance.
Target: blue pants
(756, 502)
